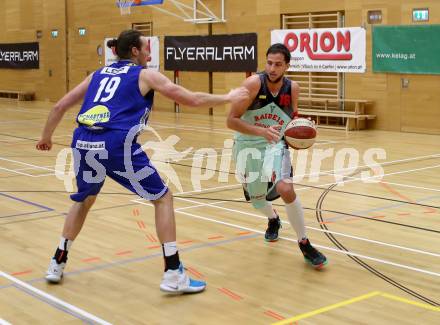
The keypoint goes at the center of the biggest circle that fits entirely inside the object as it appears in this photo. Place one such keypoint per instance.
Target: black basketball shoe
(312, 255)
(273, 225)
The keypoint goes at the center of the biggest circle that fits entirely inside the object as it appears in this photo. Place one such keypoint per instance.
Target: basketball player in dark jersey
(117, 101)
(260, 123)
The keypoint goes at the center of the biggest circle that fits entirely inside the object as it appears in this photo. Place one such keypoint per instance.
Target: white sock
(170, 248)
(295, 214)
(268, 211)
(65, 244)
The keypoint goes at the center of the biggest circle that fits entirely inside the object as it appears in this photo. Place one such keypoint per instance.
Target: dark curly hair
(125, 42)
(279, 48)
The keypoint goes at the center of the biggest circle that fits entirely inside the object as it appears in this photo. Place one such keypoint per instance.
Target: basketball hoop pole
(210, 75)
(176, 81)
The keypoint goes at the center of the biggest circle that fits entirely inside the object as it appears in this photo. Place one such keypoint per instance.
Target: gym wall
(66, 60)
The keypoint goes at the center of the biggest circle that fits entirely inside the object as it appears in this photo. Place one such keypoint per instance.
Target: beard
(274, 81)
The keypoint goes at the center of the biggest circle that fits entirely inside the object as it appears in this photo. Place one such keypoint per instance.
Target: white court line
(16, 172)
(54, 300)
(376, 176)
(413, 186)
(39, 167)
(26, 174)
(295, 240)
(353, 179)
(391, 162)
(198, 204)
(44, 175)
(210, 189)
(3, 322)
(26, 164)
(200, 156)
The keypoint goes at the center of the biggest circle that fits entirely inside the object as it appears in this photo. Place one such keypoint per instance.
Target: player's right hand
(44, 144)
(272, 133)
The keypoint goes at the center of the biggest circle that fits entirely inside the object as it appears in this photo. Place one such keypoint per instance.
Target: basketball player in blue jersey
(260, 121)
(117, 102)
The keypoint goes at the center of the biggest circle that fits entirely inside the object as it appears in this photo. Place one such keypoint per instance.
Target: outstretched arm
(58, 111)
(150, 79)
(235, 122)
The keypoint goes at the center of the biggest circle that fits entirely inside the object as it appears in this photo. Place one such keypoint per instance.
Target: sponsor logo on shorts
(85, 145)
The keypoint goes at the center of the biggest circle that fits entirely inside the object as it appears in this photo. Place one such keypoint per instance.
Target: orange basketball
(136, 2)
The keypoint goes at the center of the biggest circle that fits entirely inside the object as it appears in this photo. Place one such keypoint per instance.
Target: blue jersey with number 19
(113, 99)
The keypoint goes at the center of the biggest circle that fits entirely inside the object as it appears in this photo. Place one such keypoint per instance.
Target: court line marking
(208, 189)
(384, 207)
(21, 214)
(39, 167)
(410, 302)
(61, 308)
(53, 299)
(109, 265)
(385, 163)
(16, 172)
(26, 164)
(316, 245)
(309, 227)
(413, 186)
(398, 265)
(3, 322)
(26, 201)
(352, 301)
(352, 179)
(328, 308)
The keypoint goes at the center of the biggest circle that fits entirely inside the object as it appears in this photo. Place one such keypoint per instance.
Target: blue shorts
(101, 153)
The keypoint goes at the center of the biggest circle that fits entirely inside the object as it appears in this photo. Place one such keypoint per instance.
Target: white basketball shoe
(54, 273)
(178, 282)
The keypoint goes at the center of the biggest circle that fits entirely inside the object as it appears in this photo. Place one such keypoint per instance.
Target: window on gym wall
(316, 84)
(145, 28)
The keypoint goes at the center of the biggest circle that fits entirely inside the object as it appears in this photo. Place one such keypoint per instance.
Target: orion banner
(20, 56)
(406, 49)
(324, 49)
(215, 53)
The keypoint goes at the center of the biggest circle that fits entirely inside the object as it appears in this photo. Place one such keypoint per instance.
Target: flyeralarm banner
(20, 56)
(234, 52)
(324, 49)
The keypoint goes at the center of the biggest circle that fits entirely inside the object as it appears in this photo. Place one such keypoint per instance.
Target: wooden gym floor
(382, 239)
